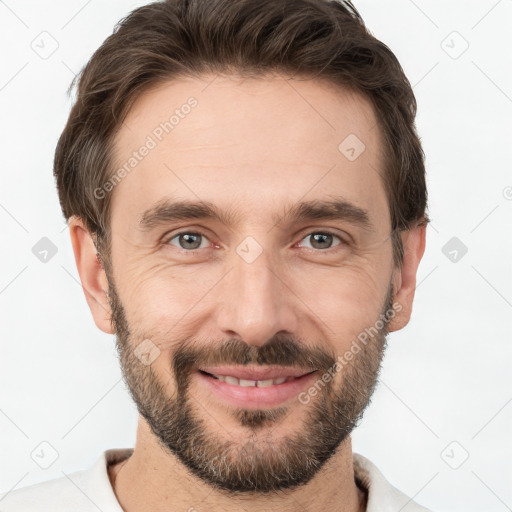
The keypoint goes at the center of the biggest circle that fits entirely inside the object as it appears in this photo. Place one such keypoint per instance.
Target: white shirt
(90, 490)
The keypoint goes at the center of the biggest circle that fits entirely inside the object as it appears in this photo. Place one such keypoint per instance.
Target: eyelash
(328, 250)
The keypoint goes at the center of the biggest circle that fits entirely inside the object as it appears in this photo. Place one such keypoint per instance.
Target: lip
(255, 397)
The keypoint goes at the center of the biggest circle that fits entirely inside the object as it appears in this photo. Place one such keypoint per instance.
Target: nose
(258, 302)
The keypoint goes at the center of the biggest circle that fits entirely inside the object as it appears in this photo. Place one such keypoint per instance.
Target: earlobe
(92, 274)
(405, 278)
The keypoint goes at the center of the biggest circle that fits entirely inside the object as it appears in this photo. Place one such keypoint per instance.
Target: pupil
(189, 238)
(321, 239)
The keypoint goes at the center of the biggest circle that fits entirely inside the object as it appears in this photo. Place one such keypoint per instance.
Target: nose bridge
(256, 304)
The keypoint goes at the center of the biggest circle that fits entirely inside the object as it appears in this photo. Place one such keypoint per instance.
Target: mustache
(278, 351)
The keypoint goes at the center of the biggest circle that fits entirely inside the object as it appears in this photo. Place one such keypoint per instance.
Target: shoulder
(382, 496)
(86, 490)
(59, 494)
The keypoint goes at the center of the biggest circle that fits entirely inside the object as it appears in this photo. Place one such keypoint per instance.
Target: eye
(323, 240)
(189, 241)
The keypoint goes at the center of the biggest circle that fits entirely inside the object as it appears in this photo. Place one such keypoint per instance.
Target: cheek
(156, 291)
(347, 299)
(165, 303)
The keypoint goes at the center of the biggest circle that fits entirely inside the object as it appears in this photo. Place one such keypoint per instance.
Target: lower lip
(253, 397)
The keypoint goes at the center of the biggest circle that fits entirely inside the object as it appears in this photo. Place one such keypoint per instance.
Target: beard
(258, 463)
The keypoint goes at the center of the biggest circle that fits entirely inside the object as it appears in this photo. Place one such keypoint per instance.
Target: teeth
(247, 383)
(228, 379)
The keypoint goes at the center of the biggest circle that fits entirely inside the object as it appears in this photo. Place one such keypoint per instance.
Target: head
(245, 187)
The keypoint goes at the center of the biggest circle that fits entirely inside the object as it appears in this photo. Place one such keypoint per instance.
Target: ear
(92, 274)
(404, 279)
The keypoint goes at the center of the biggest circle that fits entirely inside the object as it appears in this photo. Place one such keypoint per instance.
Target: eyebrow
(167, 211)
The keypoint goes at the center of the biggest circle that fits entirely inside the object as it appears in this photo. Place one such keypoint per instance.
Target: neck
(153, 479)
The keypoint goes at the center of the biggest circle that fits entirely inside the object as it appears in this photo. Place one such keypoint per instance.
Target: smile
(255, 388)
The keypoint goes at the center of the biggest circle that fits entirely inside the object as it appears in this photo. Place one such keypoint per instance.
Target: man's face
(258, 288)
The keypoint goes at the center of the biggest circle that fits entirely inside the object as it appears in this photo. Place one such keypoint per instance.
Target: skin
(258, 146)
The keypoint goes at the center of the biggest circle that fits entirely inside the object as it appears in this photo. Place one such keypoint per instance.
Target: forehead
(258, 142)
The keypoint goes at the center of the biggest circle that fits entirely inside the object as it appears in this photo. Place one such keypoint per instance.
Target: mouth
(254, 388)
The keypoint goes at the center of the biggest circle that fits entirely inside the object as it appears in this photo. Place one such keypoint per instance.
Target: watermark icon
(44, 250)
(352, 147)
(454, 45)
(348, 355)
(249, 249)
(454, 249)
(146, 352)
(44, 455)
(455, 455)
(45, 45)
(150, 143)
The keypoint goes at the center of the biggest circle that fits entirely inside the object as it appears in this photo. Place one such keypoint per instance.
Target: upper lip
(247, 373)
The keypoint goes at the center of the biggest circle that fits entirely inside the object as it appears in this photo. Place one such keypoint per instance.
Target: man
(246, 198)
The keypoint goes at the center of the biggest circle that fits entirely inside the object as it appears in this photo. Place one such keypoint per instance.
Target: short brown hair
(324, 39)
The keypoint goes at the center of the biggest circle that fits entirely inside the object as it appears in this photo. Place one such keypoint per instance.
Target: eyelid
(169, 235)
(310, 230)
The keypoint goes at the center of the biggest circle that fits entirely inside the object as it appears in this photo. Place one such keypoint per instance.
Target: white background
(445, 392)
